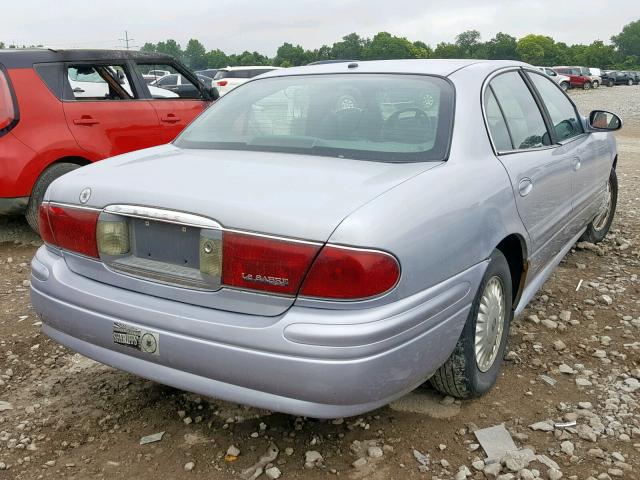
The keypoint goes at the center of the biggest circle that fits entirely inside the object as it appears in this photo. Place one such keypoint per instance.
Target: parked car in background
(228, 78)
(624, 78)
(152, 75)
(206, 81)
(63, 109)
(562, 80)
(302, 253)
(576, 77)
(181, 85)
(209, 72)
(608, 78)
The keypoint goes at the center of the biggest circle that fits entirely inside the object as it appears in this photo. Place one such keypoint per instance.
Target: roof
(251, 67)
(26, 57)
(441, 67)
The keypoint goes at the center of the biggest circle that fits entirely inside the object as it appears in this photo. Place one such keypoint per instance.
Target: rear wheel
(586, 85)
(629, 82)
(596, 84)
(37, 194)
(599, 226)
(475, 364)
(611, 83)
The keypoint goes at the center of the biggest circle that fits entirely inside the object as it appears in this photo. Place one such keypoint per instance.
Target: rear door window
(100, 82)
(564, 117)
(522, 115)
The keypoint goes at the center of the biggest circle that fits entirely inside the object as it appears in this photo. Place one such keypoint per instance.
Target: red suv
(576, 78)
(63, 109)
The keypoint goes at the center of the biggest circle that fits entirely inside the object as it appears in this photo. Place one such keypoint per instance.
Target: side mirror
(600, 120)
(213, 93)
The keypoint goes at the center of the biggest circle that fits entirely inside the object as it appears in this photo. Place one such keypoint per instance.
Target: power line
(127, 41)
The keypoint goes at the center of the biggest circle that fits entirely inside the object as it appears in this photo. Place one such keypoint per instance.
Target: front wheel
(630, 82)
(564, 86)
(611, 83)
(599, 226)
(475, 364)
(596, 84)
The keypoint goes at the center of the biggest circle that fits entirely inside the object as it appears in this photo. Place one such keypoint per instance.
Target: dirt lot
(73, 418)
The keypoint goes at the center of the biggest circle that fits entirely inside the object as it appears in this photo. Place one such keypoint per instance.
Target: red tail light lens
(70, 228)
(8, 112)
(222, 83)
(264, 263)
(350, 273)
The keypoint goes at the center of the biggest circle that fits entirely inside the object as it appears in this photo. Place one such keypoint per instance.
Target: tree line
(623, 53)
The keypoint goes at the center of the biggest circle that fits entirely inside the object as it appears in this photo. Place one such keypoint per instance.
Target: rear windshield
(244, 73)
(389, 118)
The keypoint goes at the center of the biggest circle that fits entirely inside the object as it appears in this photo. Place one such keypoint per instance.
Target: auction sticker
(142, 340)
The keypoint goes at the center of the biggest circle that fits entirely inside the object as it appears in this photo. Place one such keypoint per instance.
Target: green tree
(216, 59)
(350, 48)
(502, 47)
(537, 49)
(170, 47)
(628, 41)
(600, 55)
(292, 54)
(447, 50)
(148, 47)
(1, 44)
(386, 46)
(468, 43)
(195, 55)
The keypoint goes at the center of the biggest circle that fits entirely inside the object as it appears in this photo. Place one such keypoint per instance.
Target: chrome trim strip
(274, 237)
(163, 215)
(74, 206)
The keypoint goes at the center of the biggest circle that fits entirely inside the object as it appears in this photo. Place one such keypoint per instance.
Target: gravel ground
(573, 356)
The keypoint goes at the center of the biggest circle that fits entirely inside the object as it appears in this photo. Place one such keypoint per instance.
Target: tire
(37, 194)
(586, 85)
(610, 83)
(564, 86)
(461, 375)
(599, 227)
(630, 82)
(596, 84)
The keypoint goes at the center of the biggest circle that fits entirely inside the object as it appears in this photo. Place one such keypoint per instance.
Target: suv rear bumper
(308, 361)
(13, 206)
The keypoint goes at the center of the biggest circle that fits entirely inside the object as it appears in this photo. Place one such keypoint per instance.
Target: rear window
(394, 118)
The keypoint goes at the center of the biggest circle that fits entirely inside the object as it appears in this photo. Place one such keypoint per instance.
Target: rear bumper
(13, 206)
(308, 361)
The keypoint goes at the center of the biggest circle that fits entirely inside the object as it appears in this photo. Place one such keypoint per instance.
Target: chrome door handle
(576, 164)
(525, 186)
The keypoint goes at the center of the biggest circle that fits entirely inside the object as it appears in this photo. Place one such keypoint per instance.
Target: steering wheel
(420, 119)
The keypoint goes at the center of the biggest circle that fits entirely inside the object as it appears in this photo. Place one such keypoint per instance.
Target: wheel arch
(514, 248)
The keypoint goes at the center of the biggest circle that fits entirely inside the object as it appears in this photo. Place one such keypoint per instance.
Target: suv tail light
(222, 83)
(8, 106)
(69, 228)
(346, 273)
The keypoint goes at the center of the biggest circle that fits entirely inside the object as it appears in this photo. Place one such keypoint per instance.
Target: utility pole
(126, 39)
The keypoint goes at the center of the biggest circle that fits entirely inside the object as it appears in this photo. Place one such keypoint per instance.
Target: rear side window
(566, 122)
(100, 82)
(520, 110)
(8, 105)
(394, 118)
(497, 125)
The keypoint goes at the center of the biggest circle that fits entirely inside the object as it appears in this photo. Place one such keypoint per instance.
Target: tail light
(69, 228)
(222, 83)
(265, 263)
(281, 266)
(350, 273)
(8, 106)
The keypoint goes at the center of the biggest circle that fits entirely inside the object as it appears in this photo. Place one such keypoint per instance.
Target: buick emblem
(85, 195)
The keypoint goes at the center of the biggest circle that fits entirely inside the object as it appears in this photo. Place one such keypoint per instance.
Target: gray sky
(237, 25)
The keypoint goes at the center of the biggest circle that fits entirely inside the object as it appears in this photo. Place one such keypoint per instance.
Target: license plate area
(183, 255)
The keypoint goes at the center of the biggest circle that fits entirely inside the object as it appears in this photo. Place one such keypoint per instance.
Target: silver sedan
(324, 239)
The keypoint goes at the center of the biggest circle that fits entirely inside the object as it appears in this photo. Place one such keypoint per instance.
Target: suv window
(497, 125)
(521, 113)
(566, 122)
(100, 82)
(171, 85)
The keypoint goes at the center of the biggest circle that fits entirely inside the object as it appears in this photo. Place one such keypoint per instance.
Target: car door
(106, 115)
(589, 152)
(176, 112)
(539, 171)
